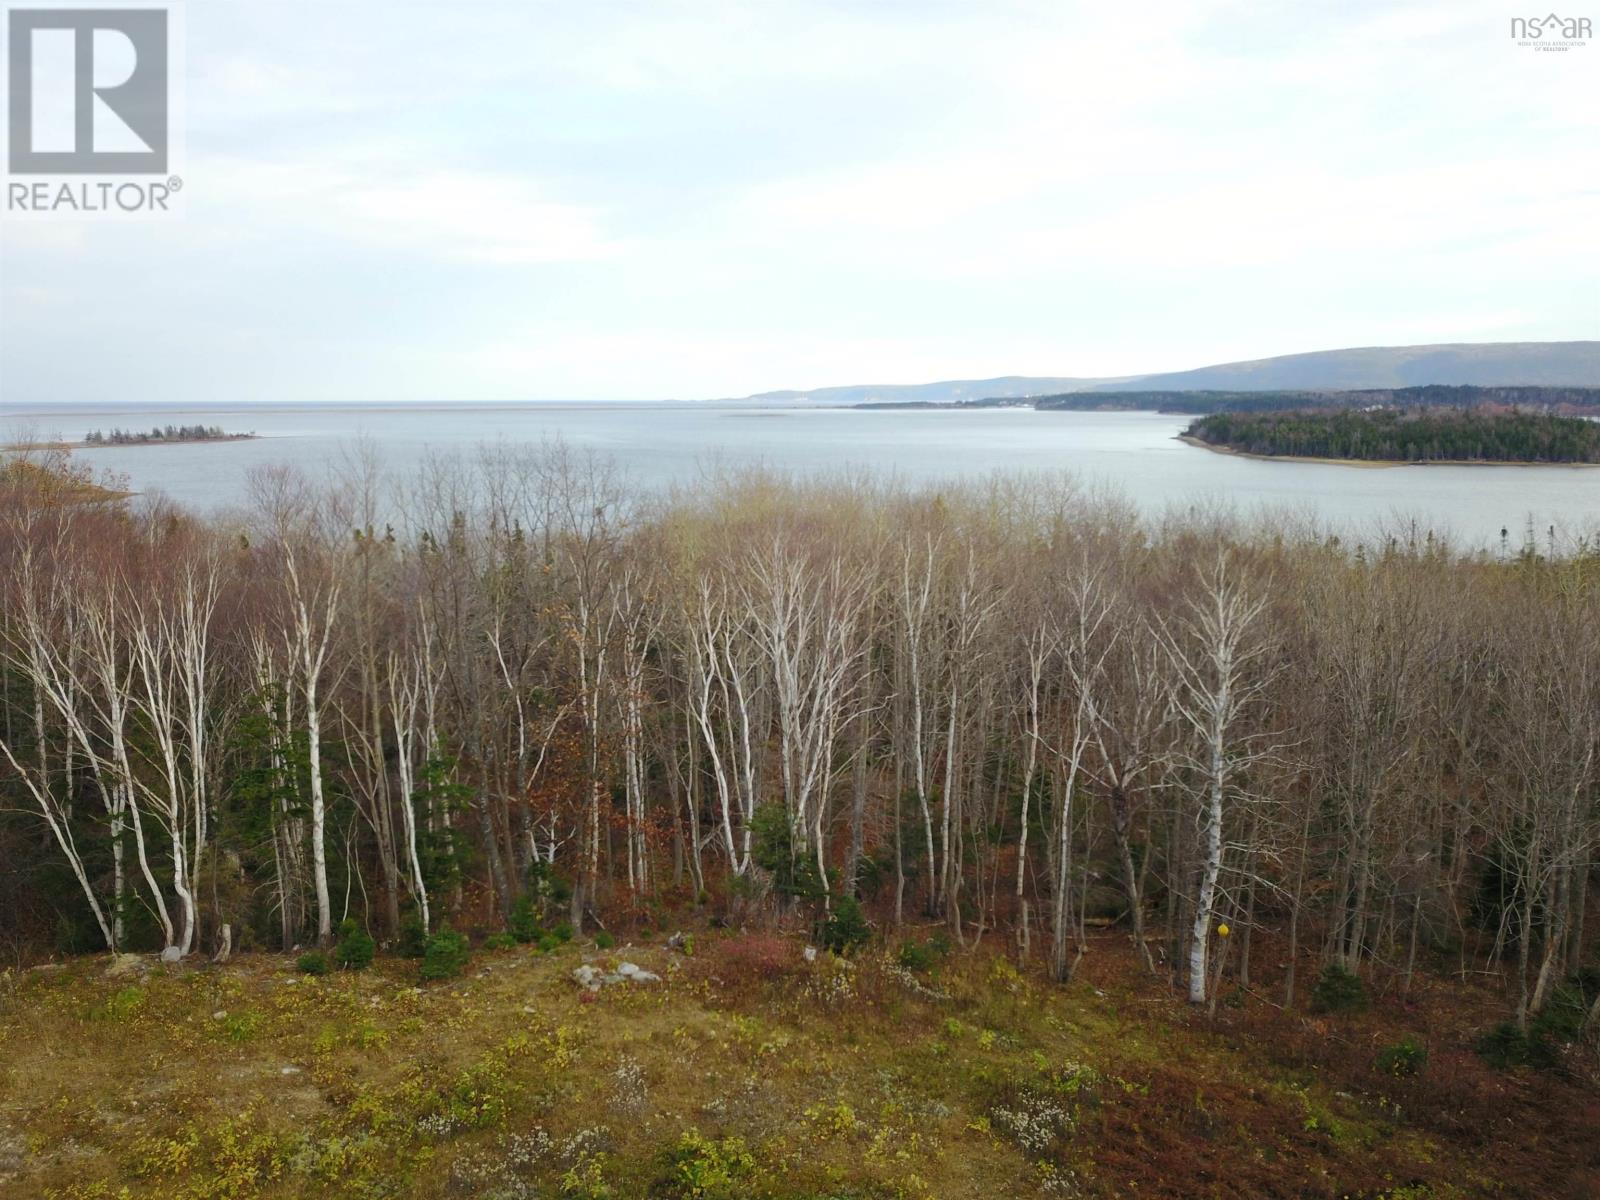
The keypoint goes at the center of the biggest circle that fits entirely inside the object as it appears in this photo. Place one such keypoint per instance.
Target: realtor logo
(88, 91)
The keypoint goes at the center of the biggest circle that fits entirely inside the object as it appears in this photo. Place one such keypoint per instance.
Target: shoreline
(1374, 463)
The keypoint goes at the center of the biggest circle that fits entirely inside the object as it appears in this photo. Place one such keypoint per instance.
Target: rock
(172, 955)
(593, 978)
(810, 953)
(290, 1071)
(126, 964)
(220, 1015)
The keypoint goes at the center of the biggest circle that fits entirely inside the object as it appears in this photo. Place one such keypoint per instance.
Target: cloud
(453, 215)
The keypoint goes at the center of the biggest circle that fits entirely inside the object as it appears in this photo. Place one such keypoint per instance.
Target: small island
(1396, 436)
(162, 435)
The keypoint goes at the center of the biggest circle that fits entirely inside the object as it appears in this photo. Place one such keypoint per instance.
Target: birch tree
(1219, 649)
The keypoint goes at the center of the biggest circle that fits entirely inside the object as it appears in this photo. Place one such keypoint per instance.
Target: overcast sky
(521, 200)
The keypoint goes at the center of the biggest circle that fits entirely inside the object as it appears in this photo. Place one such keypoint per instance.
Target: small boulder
(172, 955)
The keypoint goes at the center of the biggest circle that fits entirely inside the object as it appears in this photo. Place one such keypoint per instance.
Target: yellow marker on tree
(1222, 931)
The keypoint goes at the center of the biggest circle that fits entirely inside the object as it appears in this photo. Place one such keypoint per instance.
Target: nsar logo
(1551, 32)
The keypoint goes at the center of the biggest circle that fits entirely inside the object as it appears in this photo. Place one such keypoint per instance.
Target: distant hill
(1485, 364)
(1488, 364)
(946, 392)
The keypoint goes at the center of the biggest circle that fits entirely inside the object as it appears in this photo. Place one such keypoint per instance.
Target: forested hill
(1405, 435)
(1481, 364)
(1558, 399)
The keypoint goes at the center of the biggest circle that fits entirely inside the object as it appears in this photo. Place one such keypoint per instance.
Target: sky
(513, 199)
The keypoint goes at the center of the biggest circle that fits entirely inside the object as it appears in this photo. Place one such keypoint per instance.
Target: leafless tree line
(1010, 708)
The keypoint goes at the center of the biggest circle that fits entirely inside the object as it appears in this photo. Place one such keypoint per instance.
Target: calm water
(1134, 453)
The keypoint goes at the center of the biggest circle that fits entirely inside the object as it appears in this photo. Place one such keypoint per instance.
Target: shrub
(126, 1004)
(240, 1027)
(549, 887)
(549, 944)
(1406, 1057)
(759, 956)
(793, 873)
(604, 941)
(499, 941)
(413, 939)
(1505, 1046)
(355, 949)
(314, 962)
(1565, 1013)
(563, 932)
(924, 956)
(846, 927)
(1338, 990)
(446, 954)
(524, 921)
(710, 1170)
(1561, 1023)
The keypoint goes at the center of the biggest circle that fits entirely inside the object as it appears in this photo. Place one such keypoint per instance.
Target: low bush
(355, 948)
(524, 922)
(1506, 1046)
(604, 941)
(125, 1005)
(709, 1170)
(413, 939)
(846, 926)
(563, 932)
(314, 962)
(446, 954)
(1406, 1057)
(1561, 1023)
(1338, 990)
(499, 941)
(758, 956)
(924, 955)
(1565, 1013)
(549, 943)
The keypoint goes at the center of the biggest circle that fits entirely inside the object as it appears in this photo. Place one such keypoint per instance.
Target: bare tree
(1221, 656)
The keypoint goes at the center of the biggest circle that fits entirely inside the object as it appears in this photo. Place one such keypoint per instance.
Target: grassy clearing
(746, 1072)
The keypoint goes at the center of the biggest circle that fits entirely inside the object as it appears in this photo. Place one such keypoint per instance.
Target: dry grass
(747, 1072)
